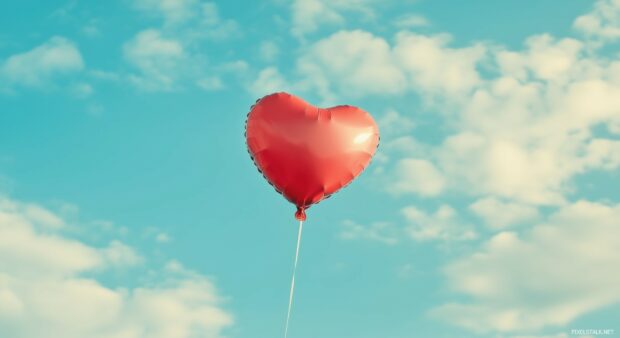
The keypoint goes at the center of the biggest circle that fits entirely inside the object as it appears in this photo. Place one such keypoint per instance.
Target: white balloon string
(290, 299)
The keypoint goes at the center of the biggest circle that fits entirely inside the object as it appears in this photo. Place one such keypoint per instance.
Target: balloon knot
(300, 215)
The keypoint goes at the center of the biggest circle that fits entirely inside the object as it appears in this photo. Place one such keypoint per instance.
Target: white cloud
(310, 15)
(411, 21)
(149, 44)
(92, 28)
(190, 19)
(172, 11)
(498, 214)
(171, 56)
(237, 67)
(560, 269)
(350, 63)
(357, 63)
(103, 75)
(416, 176)
(506, 168)
(47, 279)
(162, 237)
(406, 144)
(39, 66)
(269, 80)
(433, 67)
(213, 26)
(41, 216)
(443, 224)
(602, 22)
(211, 83)
(82, 90)
(395, 123)
(159, 59)
(379, 232)
(119, 254)
(525, 132)
(545, 58)
(268, 50)
(526, 139)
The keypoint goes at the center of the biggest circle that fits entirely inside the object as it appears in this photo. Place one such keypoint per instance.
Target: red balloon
(308, 153)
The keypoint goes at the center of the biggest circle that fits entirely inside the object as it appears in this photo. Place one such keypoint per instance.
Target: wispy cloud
(409, 21)
(498, 214)
(443, 225)
(269, 80)
(366, 64)
(269, 50)
(363, 65)
(557, 271)
(170, 56)
(602, 22)
(49, 278)
(38, 67)
(380, 232)
(159, 59)
(307, 16)
(172, 12)
(416, 176)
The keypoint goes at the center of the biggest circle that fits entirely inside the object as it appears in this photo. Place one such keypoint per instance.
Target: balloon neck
(300, 215)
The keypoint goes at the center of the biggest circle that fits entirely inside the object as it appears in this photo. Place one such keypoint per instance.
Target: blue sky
(129, 206)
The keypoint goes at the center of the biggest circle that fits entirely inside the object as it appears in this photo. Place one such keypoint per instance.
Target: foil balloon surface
(308, 153)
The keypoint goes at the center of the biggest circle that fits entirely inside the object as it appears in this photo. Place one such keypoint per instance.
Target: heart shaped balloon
(308, 153)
